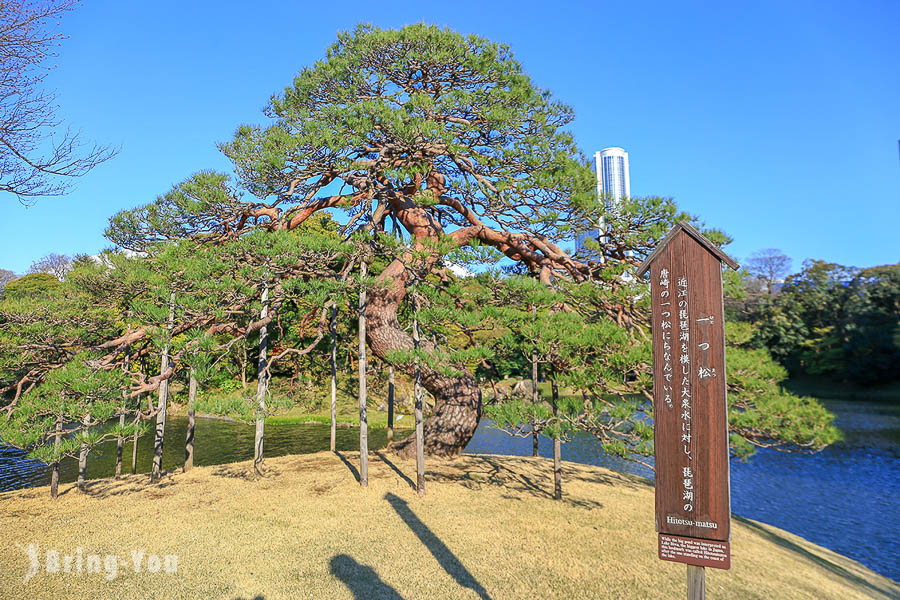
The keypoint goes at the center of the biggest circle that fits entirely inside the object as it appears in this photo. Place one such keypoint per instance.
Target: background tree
(5, 277)
(31, 285)
(836, 321)
(44, 324)
(872, 343)
(53, 264)
(37, 156)
(769, 266)
(55, 388)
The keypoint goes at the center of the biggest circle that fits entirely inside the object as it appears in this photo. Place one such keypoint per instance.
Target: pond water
(216, 442)
(846, 498)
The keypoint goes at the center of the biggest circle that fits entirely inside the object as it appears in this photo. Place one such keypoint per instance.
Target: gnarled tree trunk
(457, 407)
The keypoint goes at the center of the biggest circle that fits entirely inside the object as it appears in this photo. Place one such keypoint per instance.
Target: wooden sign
(693, 492)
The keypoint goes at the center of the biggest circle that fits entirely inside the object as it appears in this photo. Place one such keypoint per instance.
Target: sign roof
(690, 230)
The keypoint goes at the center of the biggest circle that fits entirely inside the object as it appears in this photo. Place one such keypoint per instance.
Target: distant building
(612, 174)
(613, 184)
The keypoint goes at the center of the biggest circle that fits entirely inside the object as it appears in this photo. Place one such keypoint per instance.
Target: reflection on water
(846, 498)
(216, 442)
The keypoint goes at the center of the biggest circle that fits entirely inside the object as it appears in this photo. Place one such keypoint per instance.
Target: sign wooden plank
(690, 412)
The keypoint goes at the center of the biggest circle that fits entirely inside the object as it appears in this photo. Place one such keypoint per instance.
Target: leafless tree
(768, 266)
(38, 157)
(5, 277)
(54, 264)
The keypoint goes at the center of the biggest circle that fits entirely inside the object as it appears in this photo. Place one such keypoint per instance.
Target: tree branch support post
(189, 437)
(557, 447)
(390, 405)
(363, 423)
(535, 395)
(262, 385)
(120, 440)
(57, 440)
(696, 581)
(334, 378)
(134, 446)
(83, 454)
(156, 471)
(419, 393)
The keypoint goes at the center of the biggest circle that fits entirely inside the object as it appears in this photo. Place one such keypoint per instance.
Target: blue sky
(775, 121)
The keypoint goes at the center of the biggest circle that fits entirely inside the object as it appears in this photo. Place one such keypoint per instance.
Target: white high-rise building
(613, 185)
(612, 174)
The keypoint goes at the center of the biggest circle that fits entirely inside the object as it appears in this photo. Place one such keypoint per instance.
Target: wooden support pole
(363, 423)
(57, 440)
(557, 447)
(696, 582)
(535, 394)
(189, 435)
(419, 394)
(262, 385)
(390, 405)
(135, 445)
(120, 446)
(120, 441)
(156, 470)
(334, 377)
(83, 453)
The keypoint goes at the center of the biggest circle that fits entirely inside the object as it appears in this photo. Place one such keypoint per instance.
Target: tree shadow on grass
(362, 580)
(772, 536)
(128, 484)
(233, 472)
(494, 471)
(438, 549)
(350, 466)
(394, 467)
(246, 471)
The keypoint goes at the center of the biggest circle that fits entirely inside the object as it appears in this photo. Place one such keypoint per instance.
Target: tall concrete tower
(613, 185)
(613, 179)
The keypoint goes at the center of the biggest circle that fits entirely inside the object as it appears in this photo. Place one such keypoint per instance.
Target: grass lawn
(487, 529)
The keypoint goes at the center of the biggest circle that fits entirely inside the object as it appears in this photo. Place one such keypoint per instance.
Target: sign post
(690, 416)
